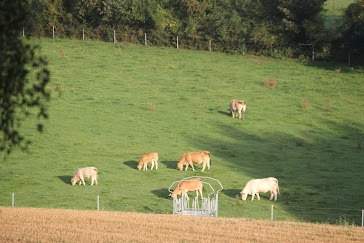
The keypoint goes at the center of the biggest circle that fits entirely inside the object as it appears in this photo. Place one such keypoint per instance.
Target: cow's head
(243, 195)
(139, 167)
(180, 166)
(74, 180)
(177, 191)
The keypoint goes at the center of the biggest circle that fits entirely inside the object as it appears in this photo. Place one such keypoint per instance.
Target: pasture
(112, 103)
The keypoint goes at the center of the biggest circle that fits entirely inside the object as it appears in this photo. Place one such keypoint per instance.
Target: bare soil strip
(58, 225)
(259, 60)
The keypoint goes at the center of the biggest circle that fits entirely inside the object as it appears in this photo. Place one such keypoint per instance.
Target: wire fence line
(339, 215)
(243, 48)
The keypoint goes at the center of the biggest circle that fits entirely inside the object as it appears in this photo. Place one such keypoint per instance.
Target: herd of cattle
(253, 187)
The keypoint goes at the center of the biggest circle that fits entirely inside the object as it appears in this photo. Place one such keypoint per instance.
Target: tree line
(286, 26)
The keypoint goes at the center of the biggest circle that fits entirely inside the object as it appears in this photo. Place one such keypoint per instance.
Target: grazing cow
(145, 159)
(82, 173)
(191, 158)
(237, 105)
(253, 187)
(189, 185)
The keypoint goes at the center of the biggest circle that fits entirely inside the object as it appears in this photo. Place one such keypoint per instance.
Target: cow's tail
(208, 153)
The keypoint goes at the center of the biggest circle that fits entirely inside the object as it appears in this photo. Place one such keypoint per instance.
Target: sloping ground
(55, 225)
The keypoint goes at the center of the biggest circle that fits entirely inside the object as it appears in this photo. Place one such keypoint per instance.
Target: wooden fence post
(114, 36)
(177, 41)
(145, 39)
(313, 54)
(53, 31)
(12, 199)
(209, 45)
(271, 214)
(349, 61)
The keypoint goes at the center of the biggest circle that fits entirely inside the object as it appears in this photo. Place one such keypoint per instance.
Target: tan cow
(191, 158)
(237, 105)
(145, 159)
(82, 173)
(189, 185)
(255, 186)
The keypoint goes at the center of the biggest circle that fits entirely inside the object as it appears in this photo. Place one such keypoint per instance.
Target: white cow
(254, 186)
(82, 173)
(238, 105)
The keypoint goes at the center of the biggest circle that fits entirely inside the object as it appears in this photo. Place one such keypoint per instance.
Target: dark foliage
(18, 94)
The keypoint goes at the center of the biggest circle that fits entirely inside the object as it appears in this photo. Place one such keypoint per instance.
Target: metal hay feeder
(208, 206)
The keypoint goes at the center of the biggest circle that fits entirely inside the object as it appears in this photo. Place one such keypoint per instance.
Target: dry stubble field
(58, 225)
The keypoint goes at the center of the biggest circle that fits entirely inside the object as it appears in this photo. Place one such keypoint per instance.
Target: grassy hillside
(334, 12)
(113, 103)
(54, 225)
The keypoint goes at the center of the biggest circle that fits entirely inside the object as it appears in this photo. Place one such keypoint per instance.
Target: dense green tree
(132, 14)
(260, 24)
(353, 30)
(19, 95)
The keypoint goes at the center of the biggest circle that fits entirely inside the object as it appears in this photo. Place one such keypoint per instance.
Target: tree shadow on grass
(323, 157)
(170, 164)
(131, 163)
(231, 192)
(161, 193)
(227, 113)
(66, 179)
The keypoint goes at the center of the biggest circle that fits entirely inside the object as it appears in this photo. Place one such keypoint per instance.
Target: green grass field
(334, 12)
(99, 117)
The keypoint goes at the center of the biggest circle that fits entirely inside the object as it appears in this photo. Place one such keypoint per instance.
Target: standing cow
(189, 185)
(82, 173)
(255, 186)
(238, 105)
(191, 158)
(145, 159)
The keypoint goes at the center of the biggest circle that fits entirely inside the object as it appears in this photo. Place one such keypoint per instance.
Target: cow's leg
(80, 183)
(186, 196)
(144, 166)
(232, 113)
(191, 164)
(197, 193)
(156, 165)
(204, 165)
(92, 180)
(271, 195)
(208, 164)
(200, 193)
(186, 167)
(275, 195)
(83, 181)
(152, 164)
(253, 194)
(239, 113)
(258, 195)
(96, 180)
